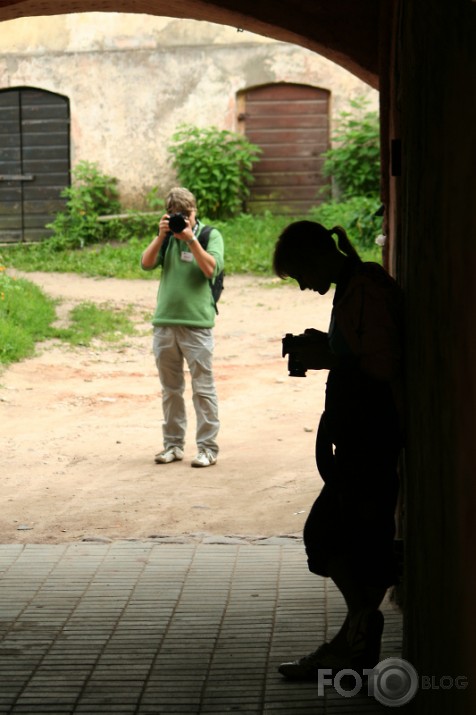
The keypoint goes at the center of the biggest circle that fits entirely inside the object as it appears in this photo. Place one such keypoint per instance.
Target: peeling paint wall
(132, 79)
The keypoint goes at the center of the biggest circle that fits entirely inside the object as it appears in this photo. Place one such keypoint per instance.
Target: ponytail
(344, 244)
(302, 240)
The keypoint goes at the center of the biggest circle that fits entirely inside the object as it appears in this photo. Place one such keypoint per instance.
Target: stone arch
(343, 31)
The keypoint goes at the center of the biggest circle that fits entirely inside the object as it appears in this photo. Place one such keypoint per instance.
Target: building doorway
(290, 122)
(34, 161)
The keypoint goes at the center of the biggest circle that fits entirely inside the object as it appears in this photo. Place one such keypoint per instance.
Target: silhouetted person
(349, 532)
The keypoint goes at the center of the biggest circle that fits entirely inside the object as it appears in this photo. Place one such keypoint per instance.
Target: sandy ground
(80, 426)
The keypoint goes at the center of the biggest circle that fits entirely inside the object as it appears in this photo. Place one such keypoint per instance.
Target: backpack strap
(203, 237)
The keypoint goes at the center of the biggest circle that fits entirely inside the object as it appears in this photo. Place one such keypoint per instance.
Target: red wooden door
(290, 122)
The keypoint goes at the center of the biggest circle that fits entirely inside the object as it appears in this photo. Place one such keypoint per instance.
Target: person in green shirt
(183, 327)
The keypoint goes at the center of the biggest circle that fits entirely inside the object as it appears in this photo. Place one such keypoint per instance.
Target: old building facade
(124, 83)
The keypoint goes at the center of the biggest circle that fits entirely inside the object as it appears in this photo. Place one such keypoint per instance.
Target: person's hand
(317, 336)
(164, 226)
(315, 354)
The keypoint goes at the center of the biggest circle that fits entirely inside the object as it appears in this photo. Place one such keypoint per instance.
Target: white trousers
(173, 344)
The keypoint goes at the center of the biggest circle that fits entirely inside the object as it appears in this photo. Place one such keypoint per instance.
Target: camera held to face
(291, 343)
(177, 222)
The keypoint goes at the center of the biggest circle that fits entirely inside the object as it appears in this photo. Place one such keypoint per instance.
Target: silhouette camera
(177, 222)
(291, 343)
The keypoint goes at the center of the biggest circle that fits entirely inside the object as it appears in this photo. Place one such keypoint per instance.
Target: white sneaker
(204, 458)
(172, 454)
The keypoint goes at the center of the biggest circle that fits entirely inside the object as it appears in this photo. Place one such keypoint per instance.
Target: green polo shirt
(184, 296)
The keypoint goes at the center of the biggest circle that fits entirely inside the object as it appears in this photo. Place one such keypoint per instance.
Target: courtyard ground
(80, 426)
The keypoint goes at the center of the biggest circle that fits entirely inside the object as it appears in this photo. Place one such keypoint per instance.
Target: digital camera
(177, 222)
(291, 343)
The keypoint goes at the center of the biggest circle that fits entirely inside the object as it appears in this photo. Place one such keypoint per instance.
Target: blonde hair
(180, 200)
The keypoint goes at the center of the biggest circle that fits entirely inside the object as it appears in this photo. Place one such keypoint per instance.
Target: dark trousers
(353, 518)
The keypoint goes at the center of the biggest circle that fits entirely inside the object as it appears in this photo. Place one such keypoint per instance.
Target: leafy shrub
(357, 216)
(135, 225)
(216, 166)
(154, 201)
(91, 194)
(354, 162)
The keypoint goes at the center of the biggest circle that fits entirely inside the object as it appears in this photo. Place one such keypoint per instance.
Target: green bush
(91, 194)
(216, 165)
(357, 216)
(135, 225)
(354, 162)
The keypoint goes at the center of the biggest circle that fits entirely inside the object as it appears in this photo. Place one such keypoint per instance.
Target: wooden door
(290, 122)
(34, 161)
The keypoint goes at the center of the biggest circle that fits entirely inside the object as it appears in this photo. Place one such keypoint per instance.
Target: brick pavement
(140, 627)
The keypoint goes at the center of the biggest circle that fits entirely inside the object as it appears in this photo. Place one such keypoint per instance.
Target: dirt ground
(80, 426)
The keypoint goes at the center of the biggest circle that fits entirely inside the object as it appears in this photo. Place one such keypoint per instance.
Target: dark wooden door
(34, 161)
(290, 123)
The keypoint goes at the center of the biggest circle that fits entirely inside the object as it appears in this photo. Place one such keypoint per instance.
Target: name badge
(186, 256)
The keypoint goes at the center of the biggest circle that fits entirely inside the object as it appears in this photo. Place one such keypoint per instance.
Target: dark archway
(422, 56)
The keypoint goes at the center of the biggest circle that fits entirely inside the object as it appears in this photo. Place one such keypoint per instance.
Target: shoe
(307, 667)
(204, 458)
(171, 454)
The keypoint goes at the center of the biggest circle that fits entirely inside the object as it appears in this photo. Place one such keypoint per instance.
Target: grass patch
(25, 318)
(90, 321)
(249, 245)
(27, 315)
(105, 260)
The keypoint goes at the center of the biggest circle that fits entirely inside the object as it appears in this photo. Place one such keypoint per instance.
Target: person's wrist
(191, 240)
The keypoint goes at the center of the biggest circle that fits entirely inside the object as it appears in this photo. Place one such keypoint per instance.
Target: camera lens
(177, 223)
(295, 367)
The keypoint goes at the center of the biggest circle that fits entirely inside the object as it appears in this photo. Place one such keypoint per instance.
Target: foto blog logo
(393, 682)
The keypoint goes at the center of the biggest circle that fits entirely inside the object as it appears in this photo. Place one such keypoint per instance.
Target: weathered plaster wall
(132, 79)
(89, 31)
